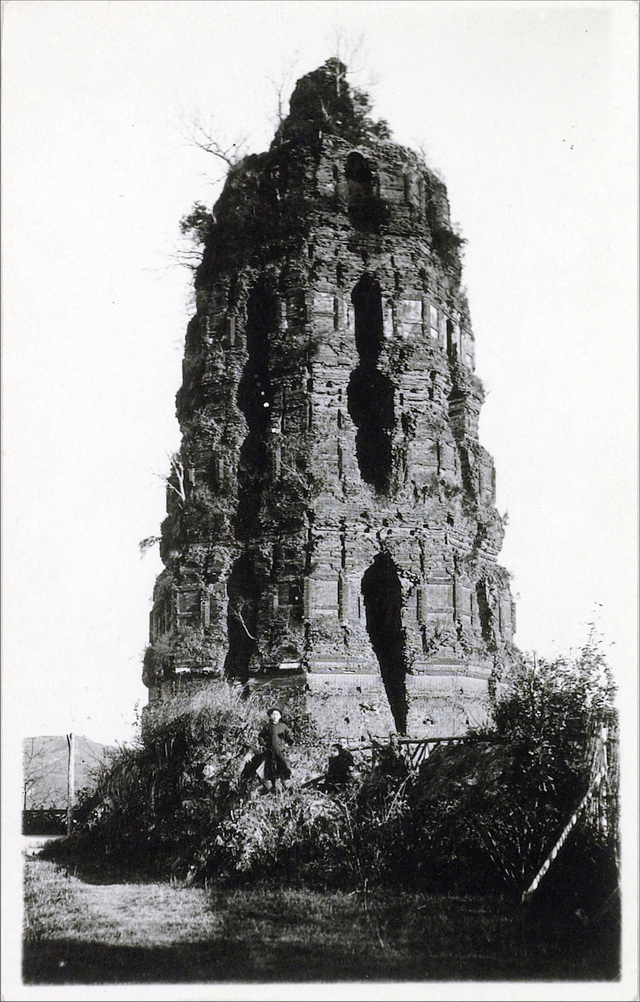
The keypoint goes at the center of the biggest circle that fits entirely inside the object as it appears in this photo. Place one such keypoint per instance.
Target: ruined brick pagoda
(331, 529)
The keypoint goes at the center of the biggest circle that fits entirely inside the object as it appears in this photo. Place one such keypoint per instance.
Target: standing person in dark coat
(273, 737)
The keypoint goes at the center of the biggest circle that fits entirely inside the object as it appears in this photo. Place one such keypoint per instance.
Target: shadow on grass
(92, 867)
(262, 934)
(67, 962)
(60, 961)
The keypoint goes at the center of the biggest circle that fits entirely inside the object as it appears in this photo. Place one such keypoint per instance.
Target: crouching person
(338, 774)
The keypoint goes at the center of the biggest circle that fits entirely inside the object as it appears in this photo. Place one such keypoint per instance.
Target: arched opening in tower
(359, 180)
(370, 392)
(486, 615)
(383, 606)
(255, 400)
(366, 208)
(243, 593)
(367, 307)
(457, 420)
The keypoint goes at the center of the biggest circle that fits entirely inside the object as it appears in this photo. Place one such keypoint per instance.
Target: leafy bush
(280, 838)
(486, 818)
(479, 817)
(549, 712)
(347, 840)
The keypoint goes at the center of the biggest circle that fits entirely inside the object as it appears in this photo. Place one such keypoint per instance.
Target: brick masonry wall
(337, 517)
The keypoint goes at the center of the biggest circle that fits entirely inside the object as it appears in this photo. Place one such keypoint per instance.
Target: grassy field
(91, 933)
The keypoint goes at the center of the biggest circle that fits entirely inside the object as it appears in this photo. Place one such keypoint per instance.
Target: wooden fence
(46, 821)
(415, 751)
(600, 801)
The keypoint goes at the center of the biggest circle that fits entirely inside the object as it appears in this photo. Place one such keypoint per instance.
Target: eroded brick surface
(334, 527)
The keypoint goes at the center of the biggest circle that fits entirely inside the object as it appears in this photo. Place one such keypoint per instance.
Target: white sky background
(529, 112)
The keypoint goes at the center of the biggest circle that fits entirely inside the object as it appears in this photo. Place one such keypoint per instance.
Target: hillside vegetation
(477, 818)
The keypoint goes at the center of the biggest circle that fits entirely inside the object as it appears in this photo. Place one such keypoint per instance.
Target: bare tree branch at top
(177, 472)
(283, 85)
(210, 138)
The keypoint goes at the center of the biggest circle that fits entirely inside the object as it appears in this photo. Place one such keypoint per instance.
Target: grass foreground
(93, 932)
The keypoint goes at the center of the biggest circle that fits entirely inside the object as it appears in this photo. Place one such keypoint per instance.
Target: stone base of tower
(353, 705)
(445, 705)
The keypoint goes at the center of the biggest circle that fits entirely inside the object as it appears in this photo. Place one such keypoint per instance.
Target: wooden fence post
(71, 780)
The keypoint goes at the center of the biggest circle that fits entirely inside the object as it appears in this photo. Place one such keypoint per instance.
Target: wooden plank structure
(44, 821)
(417, 750)
(596, 800)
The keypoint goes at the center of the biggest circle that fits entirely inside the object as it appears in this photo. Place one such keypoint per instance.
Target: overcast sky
(529, 112)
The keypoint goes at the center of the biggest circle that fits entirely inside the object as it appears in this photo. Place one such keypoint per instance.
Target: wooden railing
(415, 751)
(44, 821)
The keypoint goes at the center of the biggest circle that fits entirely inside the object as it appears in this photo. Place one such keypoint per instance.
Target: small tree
(195, 228)
(548, 711)
(549, 714)
(39, 772)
